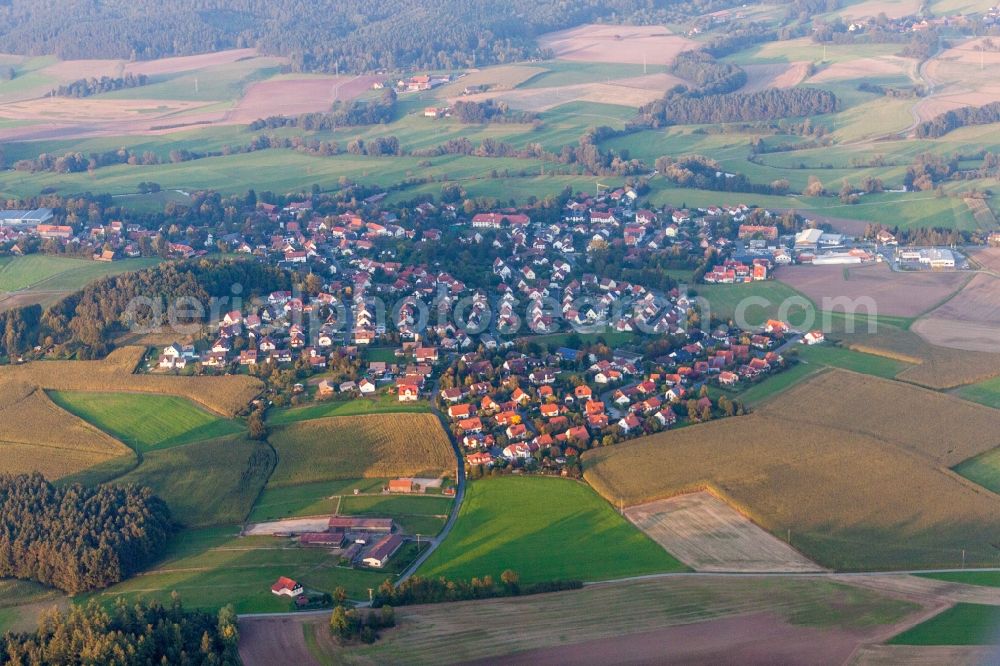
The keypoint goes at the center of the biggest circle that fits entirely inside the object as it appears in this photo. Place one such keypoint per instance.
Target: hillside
(316, 34)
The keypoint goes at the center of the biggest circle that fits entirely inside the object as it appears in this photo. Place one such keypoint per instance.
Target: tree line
(358, 112)
(96, 86)
(139, 632)
(419, 590)
(710, 76)
(945, 122)
(489, 111)
(76, 538)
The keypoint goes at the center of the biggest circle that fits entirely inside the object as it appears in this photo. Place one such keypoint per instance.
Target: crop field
(962, 624)
(211, 482)
(873, 289)
(831, 617)
(969, 320)
(36, 435)
(709, 535)
(224, 395)
(791, 466)
(350, 447)
(215, 566)
(146, 422)
(384, 404)
(416, 514)
(525, 524)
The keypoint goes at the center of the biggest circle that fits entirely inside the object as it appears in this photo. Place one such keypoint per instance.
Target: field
(964, 74)
(933, 366)
(839, 357)
(616, 43)
(350, 447)
(525, 524)
(415, 514)
(750, 305)
(211, 482)
(983, 469)
(36, 435)
(874, 289)
(689, 620)
(967, 321)
(22, 601)
(224, 395)
(44, 279)
(962, 624)
(146, 422)
(309, 499)
(383, 404)
(707, 534)
(789, 466)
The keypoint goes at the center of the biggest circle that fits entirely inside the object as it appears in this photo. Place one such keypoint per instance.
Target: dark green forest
(143, 632)
(318, 35)
(75, 538)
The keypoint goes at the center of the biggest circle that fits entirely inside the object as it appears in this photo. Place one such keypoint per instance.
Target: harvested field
(987, 257)
(616, 43)
(694, 611)
(707, 534)
(965, 74)
(982, 212)
(188, 63)
(894, 9)
(287, 96)
(922, 655)
(633, 92)
(777, 75)
(891, 292)
(863, 68)
(501, 77)
(353, 447)
(970, 320)
(225, 395)
(934, 366)
(288, 526)
(853, 466)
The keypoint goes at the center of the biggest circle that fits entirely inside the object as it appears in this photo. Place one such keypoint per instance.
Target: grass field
(839, 357)
(789, 465)
(309, 499)
(212, 482)
(21, 601)
(962, 624)
(527, 523)
(383, 404)
(415, 514)
(44, 279)
(772, 385)
(983, 469)
(350, 447)
(146, 422)
(984, 578)
(985, 393)
(752, 304)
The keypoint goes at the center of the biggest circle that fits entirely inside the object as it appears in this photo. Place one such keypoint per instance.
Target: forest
(143, 632)
(318, 35)
(76, 538)
(680, 107)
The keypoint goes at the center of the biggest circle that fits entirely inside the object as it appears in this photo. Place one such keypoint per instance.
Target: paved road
(459, 492)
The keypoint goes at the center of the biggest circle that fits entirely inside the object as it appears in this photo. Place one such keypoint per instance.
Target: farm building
(383, 549)
(349, 524)
(286, 587)
(328, 539)
(402, 486)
